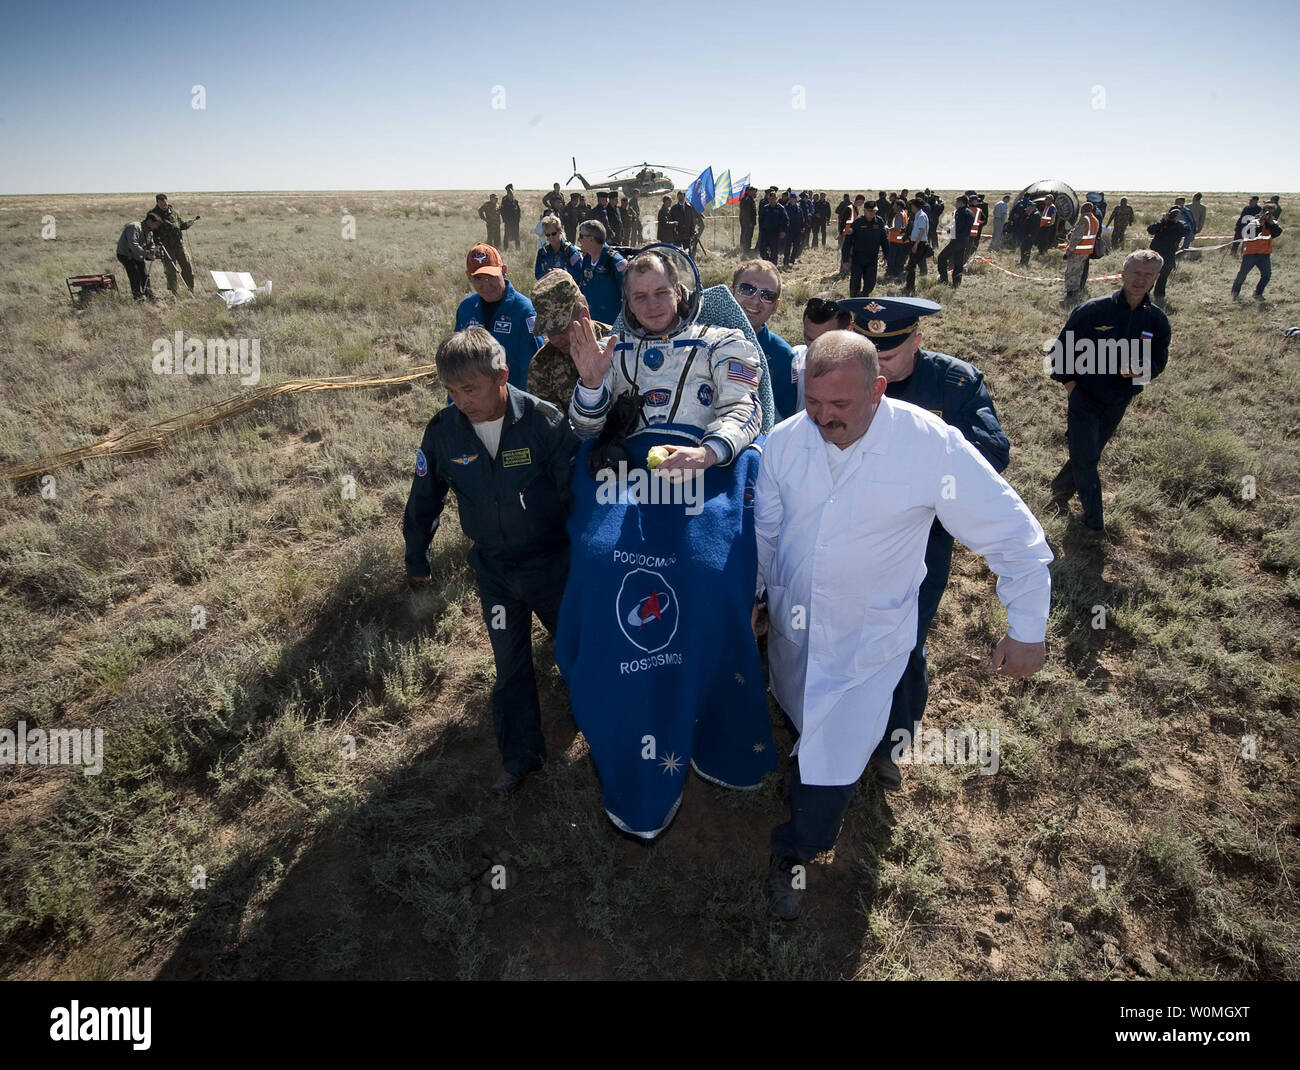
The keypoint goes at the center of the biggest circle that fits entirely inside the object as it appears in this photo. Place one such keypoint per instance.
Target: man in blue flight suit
(772, 223)
(504, 311)
(557, 252)
(600, 273)
(509, 458)
(955, 391)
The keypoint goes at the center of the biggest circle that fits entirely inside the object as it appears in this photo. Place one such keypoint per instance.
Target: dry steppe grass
(225, 744)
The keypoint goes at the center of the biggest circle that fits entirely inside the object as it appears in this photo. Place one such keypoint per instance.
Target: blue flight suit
(780, 359)
(954, 391)
(512, 326)
(601, 283)
(566, 258)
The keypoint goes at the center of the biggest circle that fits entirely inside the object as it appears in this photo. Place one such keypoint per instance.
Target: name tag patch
(516, 458)
(501, 327)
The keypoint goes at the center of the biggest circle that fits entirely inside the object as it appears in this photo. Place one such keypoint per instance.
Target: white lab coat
(843, 563)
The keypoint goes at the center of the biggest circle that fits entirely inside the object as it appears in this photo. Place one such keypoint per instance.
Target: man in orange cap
(497, 306)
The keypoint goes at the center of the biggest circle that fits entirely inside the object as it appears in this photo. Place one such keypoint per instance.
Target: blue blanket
(654, 639)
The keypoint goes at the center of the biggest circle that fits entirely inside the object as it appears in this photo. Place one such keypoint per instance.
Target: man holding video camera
(170, 238)
(135, 247)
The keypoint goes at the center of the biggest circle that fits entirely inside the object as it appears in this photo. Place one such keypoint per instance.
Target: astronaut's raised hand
(590, 357)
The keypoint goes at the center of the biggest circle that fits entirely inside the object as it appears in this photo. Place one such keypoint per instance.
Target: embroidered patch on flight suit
(502, 327)
(465, 458)
(516, 458)
(421, 464)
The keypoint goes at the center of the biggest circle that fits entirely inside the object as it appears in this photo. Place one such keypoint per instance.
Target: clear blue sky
(331, 95)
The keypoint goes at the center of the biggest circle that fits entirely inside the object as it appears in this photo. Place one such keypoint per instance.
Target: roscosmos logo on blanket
(647, 610)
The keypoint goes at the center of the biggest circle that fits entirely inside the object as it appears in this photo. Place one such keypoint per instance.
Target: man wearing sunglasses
(557, 252)
(757, 286)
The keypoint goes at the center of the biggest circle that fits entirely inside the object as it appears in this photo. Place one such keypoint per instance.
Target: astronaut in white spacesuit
(695, 380)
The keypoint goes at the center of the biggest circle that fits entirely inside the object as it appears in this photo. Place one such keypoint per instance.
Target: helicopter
(645, 182)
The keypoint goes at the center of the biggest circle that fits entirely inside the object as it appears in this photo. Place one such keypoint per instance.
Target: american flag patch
(740, 372)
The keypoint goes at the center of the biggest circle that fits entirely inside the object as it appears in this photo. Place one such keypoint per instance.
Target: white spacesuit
(695, 379)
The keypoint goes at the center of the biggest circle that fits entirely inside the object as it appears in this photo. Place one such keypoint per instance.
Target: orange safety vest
(1048, 217)
(1088, 241)
(1261, 244)
(979, 222)
(896, 234)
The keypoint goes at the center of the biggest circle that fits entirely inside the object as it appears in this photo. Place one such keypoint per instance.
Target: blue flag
(700, 192)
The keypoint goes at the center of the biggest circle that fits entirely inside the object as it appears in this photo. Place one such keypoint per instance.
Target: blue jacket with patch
(955, 392)
(512, 326)
(601, 283)
(566, 258)
(780, 357)
(514, 506)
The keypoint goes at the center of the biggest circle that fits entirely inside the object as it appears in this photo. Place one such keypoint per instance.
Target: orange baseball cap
(483, 260)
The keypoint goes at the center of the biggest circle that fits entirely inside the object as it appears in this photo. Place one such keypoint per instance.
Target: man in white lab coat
(845, 499)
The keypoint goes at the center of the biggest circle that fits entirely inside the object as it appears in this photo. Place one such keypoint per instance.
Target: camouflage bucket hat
(553, 299)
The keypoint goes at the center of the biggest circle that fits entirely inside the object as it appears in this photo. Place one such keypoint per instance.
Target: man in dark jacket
(793, 228)
(772, 224)
(510, 213)
(509, 458)
(683, 217)
(954, 253)
(862, 248)
(1110, 346)
(666, 229)
(1167, 235)
(748, 220)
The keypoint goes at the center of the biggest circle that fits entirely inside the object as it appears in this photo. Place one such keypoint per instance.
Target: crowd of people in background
(893, 237)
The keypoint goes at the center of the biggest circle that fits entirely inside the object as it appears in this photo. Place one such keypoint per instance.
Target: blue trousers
(817, 810)
(1089, 424)
(510, 597)
(913, 688)
(1263, 261)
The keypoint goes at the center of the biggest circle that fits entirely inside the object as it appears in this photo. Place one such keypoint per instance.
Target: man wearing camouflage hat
(559, 304)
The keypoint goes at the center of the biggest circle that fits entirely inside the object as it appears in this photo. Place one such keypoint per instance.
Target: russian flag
(738, 189)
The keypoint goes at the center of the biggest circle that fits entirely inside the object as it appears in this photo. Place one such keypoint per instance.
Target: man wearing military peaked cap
(955, 392)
